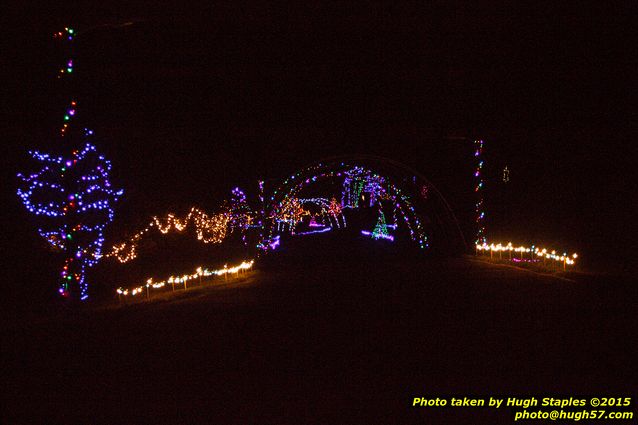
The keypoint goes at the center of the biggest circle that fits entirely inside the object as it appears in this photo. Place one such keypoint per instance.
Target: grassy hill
(327, 331)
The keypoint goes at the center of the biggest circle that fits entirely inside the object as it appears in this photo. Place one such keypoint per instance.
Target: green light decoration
(381, 229)
(358, 189)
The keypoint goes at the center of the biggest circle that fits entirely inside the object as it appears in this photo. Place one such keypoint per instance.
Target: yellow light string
(182, 280)
(209, 229)
(539, 253)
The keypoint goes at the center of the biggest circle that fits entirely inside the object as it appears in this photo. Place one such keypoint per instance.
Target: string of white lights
(535, 253)
(184, 279)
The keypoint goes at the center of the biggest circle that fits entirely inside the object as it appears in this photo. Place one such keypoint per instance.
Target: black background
(190, 102)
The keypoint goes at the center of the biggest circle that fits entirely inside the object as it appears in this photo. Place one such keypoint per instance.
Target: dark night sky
(189, 103)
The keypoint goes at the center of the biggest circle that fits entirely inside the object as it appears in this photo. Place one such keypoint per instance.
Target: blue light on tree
(71, 194)
(74, 200)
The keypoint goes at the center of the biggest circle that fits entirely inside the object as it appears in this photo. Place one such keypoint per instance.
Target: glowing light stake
(506, 174)
(536, 254)
(183, 280)
(478, 189)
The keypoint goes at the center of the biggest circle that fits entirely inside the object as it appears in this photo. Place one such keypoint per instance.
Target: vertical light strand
(478, 190)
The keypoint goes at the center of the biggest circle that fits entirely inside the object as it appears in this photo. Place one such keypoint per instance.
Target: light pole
(148, 284)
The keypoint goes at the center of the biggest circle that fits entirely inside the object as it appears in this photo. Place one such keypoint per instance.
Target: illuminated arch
(421, 208)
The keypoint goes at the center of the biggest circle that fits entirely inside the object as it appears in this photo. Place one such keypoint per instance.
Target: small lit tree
(381, 229)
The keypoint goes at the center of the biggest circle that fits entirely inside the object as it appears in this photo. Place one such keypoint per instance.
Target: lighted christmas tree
(381, 229)
(73, 199)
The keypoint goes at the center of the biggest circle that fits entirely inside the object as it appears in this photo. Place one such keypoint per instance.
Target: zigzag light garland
(211, 229)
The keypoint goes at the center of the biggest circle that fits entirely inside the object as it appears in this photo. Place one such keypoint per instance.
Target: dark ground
(190, 103)
(328, 333)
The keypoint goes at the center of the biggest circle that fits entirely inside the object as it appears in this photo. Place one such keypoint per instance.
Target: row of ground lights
(535, 253)
(183, 280)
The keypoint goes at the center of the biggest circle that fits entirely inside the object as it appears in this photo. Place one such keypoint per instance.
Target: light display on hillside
(284, 212)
